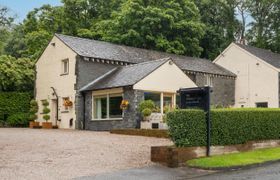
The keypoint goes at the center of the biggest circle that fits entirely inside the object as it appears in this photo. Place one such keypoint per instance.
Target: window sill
(112, 119)
(64, 74)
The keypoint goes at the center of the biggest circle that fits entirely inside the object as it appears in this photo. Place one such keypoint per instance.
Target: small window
(262, 105)
(65, 66)
(155, 97)
(209, 80)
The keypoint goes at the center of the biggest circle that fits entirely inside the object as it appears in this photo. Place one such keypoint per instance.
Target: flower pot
(47, 125)
(33, 124)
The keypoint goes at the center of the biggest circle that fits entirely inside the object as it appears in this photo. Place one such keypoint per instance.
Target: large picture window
(107, 107)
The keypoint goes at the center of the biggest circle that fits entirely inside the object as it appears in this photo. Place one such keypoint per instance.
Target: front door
(54, 111)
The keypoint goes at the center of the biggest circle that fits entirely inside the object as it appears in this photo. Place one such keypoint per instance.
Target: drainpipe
(84, 111)
(56, 105)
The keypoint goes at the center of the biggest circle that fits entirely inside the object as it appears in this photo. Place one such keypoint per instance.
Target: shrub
(187, 127)
(46, 110)
(146, 112)
(46, 117)
(13, 102)
(147, 104)
(229, 126)
(33, 110)
(18, 120)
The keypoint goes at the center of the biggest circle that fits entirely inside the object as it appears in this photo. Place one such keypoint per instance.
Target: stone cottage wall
(86, 72)
(223, 89)
(131, 117)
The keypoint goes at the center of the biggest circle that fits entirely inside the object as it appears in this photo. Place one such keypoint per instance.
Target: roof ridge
(268, 50)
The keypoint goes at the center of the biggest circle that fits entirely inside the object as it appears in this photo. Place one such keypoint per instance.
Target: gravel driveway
(64, 154)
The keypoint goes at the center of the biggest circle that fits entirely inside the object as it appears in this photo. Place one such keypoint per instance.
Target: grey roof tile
(266, 55)
(105, 50)
(125, 75)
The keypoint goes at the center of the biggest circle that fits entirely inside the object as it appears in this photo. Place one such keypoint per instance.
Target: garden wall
(172, 156)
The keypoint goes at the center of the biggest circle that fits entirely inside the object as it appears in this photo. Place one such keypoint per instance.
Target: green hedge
(229, 126)
(14, 102)
(18, 120)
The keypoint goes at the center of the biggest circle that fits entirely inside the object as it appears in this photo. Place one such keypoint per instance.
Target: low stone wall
(172, 156)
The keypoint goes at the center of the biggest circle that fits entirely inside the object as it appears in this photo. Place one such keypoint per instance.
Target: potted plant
(146, 108)
(33, 114)
(124, 104)
(46, 116)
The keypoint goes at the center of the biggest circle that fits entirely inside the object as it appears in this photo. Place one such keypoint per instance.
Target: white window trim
(62, 67)
(209, 80)
(108, 108)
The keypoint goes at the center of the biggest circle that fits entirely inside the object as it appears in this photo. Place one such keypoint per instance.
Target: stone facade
(131, 118)
(86, 72)
(223, 89)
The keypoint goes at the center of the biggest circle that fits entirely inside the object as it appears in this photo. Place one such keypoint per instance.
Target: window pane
(115, 110)
(100, 108)
(155, 97)
(167, 101)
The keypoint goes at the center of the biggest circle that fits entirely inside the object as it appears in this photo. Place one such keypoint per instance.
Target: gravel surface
(65, 154)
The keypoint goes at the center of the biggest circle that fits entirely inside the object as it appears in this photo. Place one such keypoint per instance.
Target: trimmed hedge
(229, 126)
(12, 103)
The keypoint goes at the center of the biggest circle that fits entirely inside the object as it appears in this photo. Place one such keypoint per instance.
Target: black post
(208, 120)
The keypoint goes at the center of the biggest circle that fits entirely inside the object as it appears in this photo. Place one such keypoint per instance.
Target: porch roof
(125, 75)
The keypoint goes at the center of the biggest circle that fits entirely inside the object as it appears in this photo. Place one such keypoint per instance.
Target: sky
(22, 7)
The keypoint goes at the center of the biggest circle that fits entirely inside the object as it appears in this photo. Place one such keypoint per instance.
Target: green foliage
(229, 126)
(147, 104)
(187, 127)
(45, 103)
(13, 103)
(46, 110)
(165, 25)
(18, 120)
(33, 110)
(16, 74)
(146, 112)
(46, 117)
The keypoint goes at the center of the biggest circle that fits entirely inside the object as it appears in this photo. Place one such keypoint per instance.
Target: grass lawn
(237, 159)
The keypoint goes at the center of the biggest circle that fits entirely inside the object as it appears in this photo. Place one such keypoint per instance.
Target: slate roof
(125, 75)
(266, 55)
(108, 51)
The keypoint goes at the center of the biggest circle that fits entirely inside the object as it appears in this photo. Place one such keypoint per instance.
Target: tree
(16, 74)
(260, 32)
(5, 23)
(221, 25)
(166, 25)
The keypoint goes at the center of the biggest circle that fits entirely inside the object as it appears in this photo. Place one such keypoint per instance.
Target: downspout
(56, 105)
(84, 111)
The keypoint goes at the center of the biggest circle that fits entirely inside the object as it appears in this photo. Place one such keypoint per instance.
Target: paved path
(64, 154)
(269, 172)
(156, 172)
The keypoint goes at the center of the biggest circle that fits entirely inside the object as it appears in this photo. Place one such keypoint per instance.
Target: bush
(146, 112)
(147, 104)
(12, 103)
(187, 127)
(229, 126)
(46, 117)
(18, 120)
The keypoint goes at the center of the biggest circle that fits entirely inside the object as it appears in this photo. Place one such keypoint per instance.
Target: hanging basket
(67, 103)
(124, 104)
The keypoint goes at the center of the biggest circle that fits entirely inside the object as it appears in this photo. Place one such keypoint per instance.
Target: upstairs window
(209, 81)
(65, 66)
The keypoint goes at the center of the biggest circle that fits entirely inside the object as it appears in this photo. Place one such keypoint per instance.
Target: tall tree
(167, 25)
(221, 25)
(262, 13)
(16, 74)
